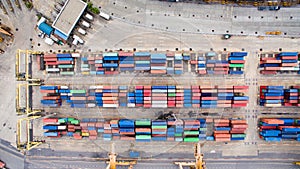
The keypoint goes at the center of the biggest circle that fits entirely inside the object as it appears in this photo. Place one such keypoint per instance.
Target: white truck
(90, 17)
(86, 24)
(104, 15)
(82, 31)
(78, 39)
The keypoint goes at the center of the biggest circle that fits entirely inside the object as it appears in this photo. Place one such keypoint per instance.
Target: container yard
(145, 84)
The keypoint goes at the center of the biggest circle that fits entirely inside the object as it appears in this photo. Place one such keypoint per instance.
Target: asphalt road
(12, 158)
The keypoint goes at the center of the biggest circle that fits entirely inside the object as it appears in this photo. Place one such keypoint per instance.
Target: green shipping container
(62, 120)
(238, 135)
(191, 139)
(84, 66)
(178, 134)
(203, 129)
(236, 65)
(70, 119)
(171, 94)
(191, 132)
(159, 127)
(77, 91)
(141, 137)
(143, 122)
(75, 122)
(65, 66)
(67, 73)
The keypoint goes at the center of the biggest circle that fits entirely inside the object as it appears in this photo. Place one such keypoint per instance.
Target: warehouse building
(68, 17)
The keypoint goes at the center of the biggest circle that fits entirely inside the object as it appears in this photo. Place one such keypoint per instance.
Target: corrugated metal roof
(47, 29)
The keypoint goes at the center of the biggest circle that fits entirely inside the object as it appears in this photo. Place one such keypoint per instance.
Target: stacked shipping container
(156, 63)
(144, 130)
(281, 62)
(277, 96)
(149, 96)
(272, 129)
(62, 63)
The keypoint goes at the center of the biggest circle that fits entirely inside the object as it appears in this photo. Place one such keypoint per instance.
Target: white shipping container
(52, 69)
(107, 127)
(201, 62)
(171, 90)
(159, 101)
(64, 94)
(64, 87)
(159, 105)
(168, 58)
(201, 68)
(62, 127)
(210, 91)
(273, 105)
(104, 15)
(85, 69)
(178, 54)
(91, 105)
(130, 105)
(147, 98)
(289, 68)
(69, 94)
(75, 55)
(110, 105)
(159, 90)
(83, 32)
(86, 24)
(90, 17)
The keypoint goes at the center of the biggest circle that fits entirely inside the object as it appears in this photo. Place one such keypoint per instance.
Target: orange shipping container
(77, 98)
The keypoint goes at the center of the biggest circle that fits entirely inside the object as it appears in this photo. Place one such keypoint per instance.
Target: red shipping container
(147, 105)
(48, 91)
(50, 120)
(196, 105)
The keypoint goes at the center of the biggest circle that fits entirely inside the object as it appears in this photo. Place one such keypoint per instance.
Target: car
(270, 8)
(226, 36)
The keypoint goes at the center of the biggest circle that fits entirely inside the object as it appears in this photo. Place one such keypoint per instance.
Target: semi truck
(86, 24)
(90, 17)
(82, 31)
(104, 15)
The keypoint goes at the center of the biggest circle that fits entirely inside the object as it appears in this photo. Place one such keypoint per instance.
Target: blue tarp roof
(60, 34)
(47, 29)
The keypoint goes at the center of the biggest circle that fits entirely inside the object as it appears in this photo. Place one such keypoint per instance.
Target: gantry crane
(28, 93)
(199, 164)
(25, 76)
(113, 163)
(29, 143)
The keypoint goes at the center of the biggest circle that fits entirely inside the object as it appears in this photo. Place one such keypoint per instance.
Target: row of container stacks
(145, 130)
(278, 129)
(277, 96)
(214, 63)
(146, 96)
(60, 63)
(271, 64)
(163, 63)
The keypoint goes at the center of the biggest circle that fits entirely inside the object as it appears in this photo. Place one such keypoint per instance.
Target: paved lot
(127, 34)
